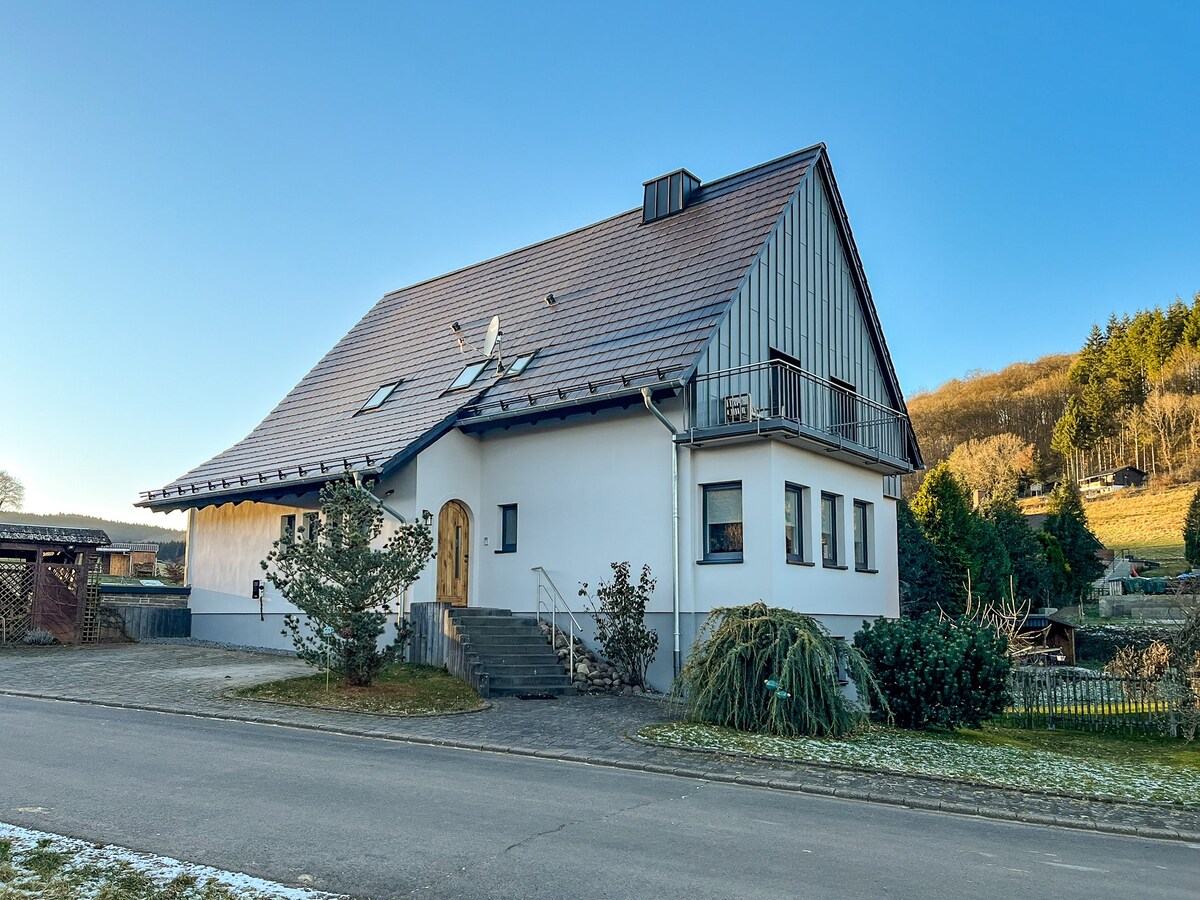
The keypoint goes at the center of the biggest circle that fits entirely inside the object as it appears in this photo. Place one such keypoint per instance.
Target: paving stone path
(194, 680)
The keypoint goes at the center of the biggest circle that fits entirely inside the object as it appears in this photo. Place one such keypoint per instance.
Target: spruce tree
(1191, 532)
(923, 583)
(966, 547)
(1067, 522)
(1031, 573)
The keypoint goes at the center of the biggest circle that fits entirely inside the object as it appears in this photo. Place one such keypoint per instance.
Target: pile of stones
(592, 674)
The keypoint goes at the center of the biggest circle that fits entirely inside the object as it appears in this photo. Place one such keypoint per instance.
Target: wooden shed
(139, 560)
(49, 580)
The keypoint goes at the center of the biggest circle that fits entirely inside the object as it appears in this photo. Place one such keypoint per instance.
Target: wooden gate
(58, 600)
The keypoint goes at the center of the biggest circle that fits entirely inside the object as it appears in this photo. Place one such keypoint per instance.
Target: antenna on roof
(491, 341)
(492, 337)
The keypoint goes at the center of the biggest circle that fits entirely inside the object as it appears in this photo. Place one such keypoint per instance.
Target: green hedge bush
(741, 648)
(937, 674)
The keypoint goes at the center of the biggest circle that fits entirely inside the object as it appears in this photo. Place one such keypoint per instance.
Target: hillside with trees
(1130, 396)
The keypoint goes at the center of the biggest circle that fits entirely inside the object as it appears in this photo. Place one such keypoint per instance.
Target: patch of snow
(160, 868)
(946, 757)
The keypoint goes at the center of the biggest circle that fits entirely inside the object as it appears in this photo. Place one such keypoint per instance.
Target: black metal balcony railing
(776, 394)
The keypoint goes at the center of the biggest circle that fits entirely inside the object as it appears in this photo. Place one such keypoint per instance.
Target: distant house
(1113, 480)
(700, 383)
(48, 582)
(139, 560)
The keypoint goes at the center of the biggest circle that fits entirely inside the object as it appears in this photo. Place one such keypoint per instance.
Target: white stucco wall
(590, 490)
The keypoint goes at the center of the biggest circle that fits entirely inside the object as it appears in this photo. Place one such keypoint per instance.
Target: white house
(700, 384)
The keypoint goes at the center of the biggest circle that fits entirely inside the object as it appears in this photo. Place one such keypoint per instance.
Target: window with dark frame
(829, 529)
(862, 542)
(508, 528)
(793, 522)
(723, 522)
(467, 376)
(377, 399)
(287, 527)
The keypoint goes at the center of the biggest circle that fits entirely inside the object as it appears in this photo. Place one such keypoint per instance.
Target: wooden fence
(435, 641)
(1088, 701)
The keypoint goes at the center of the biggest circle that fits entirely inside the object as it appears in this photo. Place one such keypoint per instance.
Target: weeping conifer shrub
(739, 648)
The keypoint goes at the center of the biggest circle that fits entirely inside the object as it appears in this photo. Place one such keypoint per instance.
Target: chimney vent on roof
(668, 195)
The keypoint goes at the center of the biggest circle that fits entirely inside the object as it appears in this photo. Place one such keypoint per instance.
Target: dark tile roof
(634, 306)
(48, 534)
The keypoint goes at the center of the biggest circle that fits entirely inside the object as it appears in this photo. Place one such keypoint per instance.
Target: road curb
(819, 790)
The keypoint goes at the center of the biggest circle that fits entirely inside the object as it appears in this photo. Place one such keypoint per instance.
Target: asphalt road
(380, 819)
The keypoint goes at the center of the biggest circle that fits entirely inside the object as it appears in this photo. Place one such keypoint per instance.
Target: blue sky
(197, 200)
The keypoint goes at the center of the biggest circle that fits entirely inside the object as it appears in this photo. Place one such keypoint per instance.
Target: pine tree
(1067, 522)
(1191, 532)
(348, 589)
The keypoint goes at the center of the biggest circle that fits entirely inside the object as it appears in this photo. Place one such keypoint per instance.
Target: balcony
(777, 399)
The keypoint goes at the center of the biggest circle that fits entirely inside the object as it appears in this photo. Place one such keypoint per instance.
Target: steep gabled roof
(634, 304)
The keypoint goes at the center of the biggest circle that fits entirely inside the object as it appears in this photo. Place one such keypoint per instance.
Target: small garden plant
(774, 671)
(620, 614)
(937, 673)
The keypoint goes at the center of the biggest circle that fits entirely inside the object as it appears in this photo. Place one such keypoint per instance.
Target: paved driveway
(191, 679)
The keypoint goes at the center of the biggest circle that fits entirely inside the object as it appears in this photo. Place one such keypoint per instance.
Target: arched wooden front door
(453, 553)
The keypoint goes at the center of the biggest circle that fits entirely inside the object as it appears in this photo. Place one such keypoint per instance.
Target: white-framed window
(864, 537)
(723, 522)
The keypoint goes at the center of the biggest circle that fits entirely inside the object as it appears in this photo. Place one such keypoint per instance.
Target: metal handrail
(777, 389)
(550, 589)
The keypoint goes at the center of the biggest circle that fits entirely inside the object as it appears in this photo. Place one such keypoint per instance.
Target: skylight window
(468, 375)
(522, 362)
(381, 394)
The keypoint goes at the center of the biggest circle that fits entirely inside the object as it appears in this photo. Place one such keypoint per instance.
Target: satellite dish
(492, 336)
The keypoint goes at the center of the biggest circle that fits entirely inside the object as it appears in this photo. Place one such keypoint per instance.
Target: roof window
(468, 375)
(381, 394)
(520, 365)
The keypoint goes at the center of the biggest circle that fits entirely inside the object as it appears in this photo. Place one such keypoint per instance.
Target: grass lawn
(1147, 522)
(39, 866)
(1116, 766)
(404, 689)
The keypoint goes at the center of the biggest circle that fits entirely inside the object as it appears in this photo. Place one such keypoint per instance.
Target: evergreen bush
(937, 673)
(741, 648)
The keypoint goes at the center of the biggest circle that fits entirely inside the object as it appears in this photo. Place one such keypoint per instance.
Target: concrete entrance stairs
(511, 651)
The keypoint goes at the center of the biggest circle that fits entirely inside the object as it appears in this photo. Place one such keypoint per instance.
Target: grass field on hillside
(1147, 522)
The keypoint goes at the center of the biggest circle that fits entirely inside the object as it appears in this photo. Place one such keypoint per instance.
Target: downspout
(676, 658)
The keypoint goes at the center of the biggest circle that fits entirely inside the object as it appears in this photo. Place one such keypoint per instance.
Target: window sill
(800, 562)
(732, 561)
(498, 552)
(829, 565)
(866, 571)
